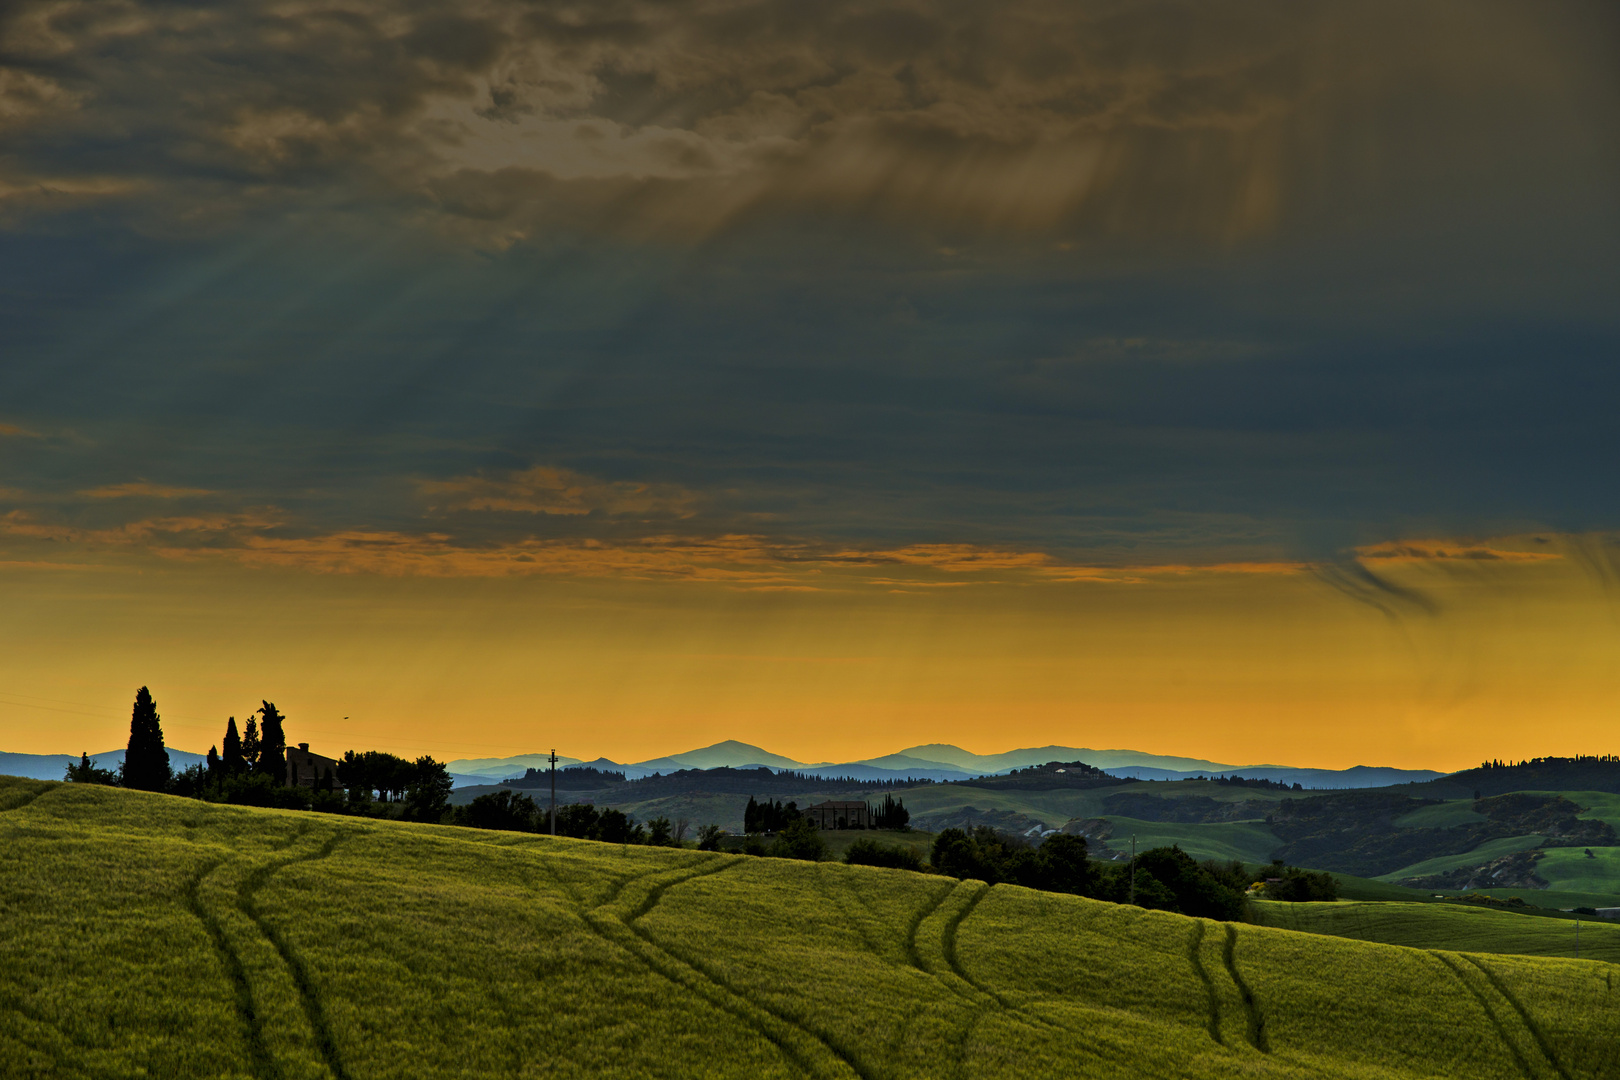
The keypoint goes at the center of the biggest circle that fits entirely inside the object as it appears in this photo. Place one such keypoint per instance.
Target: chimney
(304, 746)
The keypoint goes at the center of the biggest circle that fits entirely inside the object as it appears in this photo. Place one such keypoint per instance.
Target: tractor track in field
(1530, 1025)
(1193, 948)
(656, 893)
(308, 997)
(618, 889)
(771, 1024)
(947, 948)
(264, 1065)
(917, 919)
(1256, 1018)
(1490, 1014)
(27, 801)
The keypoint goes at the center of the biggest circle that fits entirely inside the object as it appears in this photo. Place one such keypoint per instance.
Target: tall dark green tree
(146, 762)
(272, 760)
(250, 744)
(231, 760)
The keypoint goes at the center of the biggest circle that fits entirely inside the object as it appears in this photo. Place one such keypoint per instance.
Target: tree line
(773, 817)
(514, 811)
(249, 767)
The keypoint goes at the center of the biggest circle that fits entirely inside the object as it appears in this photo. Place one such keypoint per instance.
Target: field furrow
(1524, 1016)
(1511, 1032)
(813, 1055)
(309, 996)
(1256, 1028)
(1194, 946)
(252, 1033)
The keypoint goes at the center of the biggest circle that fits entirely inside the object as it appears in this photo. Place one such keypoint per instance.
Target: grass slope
(1484, 853)
(1447, 926)
(147, 935)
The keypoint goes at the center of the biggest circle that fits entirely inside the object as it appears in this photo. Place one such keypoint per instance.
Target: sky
(1231, 381)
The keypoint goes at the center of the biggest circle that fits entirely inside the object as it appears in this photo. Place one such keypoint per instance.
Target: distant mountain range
(53, 766)
(942, 761)
(932, 761)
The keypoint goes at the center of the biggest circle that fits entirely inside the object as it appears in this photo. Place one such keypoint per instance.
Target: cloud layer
(508, 121)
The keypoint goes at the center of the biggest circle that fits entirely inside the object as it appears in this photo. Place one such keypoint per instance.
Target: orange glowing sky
(1481, 658)
(1233, 381)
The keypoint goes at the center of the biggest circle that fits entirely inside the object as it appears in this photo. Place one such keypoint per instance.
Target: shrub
(864, 852)
(505, 810)
(800, 840)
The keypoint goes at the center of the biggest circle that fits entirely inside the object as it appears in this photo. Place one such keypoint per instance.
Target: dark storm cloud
(511, 119)
(386, 284)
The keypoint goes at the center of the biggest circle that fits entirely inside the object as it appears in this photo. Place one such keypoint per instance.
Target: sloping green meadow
(1448, 926)
(154, 936)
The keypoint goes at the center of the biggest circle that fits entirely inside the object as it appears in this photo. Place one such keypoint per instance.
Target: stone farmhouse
(305, 769)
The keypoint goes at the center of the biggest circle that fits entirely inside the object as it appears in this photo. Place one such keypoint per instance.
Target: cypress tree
(213, 763)
(250, 744)
(232, 760)
(146, 763)
(272, 745)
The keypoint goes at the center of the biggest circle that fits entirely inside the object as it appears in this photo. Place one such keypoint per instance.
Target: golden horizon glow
(1477, 648)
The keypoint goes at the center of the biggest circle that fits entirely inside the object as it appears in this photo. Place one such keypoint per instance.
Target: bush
(983, 854)
(88, 772)
(1060, 865)
(799, 840)
(259, 789)
(504, 810)
(864, 852)
(709, 837)
(1298, 885)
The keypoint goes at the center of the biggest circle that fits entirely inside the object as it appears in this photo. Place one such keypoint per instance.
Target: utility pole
(1133, 868)
(553, 791)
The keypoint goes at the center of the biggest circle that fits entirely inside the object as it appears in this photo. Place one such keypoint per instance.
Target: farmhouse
(305, 769)
(839, 815)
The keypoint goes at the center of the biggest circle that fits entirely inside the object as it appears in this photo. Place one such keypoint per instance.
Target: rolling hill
(149, 935)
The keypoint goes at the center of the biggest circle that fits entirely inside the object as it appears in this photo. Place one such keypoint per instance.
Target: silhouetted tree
(86, 772)
(659, 832)
(428, 795)
(231, 760)
(768, 816)
(507, 810)
(615, 827)
(146, 762)
(574, 819)
(983, 854)
(709, 837)
(1060, 865)
(213, 764)
(250, 744)
(891, 813)
(272, 759)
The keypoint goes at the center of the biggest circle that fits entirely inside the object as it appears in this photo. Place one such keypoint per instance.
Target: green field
(1569, 870)
(1446, 815)
(153, 936)
(1447, 926)
(1484, 853)
(1249, 841)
